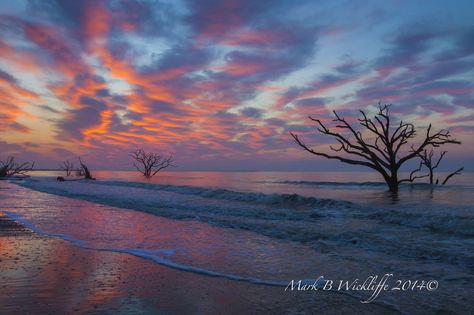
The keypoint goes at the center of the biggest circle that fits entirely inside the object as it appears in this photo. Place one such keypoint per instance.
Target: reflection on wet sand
(43, 275)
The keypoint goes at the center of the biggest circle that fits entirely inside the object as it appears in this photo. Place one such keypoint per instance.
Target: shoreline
(49, 275)
(77, 226)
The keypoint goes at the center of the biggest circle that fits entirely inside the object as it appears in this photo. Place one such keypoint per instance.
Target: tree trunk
(393, 186)
(392, 182)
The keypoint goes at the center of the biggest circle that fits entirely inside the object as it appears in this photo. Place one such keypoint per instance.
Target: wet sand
(44, 275)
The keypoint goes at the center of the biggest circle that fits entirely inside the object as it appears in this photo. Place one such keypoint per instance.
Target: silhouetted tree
(381, 149)
(67, 166)
(79, 172)
(427, 160)
(85, 170)
(10, 167)
(150, 163)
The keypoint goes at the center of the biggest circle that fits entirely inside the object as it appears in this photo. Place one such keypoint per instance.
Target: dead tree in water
(85, 170)
(67, 166)
(10, 167)
(150, 163)
(427, 160)
(380, 146)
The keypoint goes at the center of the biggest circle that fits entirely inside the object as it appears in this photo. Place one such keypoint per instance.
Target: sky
(219, 84)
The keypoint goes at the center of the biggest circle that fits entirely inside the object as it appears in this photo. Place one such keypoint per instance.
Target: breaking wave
(461, 225)
(287, 200)
(356, 185)
(249, 210)
(158, 256)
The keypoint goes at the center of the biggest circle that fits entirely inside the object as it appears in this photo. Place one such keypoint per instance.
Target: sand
(44, 275)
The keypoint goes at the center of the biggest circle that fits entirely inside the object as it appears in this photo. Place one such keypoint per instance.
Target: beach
(118, 245)
(47, 275)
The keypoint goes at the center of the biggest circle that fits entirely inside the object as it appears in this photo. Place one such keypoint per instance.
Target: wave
(284, 216)
(156, 255)
(159, 256)
(324, 224)
(326, 183)
(287, 200)
(461, 225)
(346, 184)
(249, 210)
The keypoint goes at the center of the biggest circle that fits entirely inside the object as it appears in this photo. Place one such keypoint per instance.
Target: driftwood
(67, 167)
(85, 170)
(10, 167)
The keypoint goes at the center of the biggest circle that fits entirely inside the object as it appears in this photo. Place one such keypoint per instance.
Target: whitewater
(267, 228)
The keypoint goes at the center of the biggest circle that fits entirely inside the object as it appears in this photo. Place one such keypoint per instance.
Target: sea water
(270, 228)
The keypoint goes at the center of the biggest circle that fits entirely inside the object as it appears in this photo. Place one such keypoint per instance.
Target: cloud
(79, 120)
(214, 79)
(313, 101)
(251, 112)
(7, 77)
(49, 109)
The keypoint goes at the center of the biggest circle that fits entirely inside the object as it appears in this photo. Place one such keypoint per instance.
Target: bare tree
(150, 163)
(427, 160)
(10, 167)
(67, 166)
(79, 172)
(85, 170)
(380, 150)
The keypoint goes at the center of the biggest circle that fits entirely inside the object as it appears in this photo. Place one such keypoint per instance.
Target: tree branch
(148, 164)
(457, 172)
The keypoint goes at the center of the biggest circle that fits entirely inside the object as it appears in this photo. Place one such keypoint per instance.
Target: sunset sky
(220, 83)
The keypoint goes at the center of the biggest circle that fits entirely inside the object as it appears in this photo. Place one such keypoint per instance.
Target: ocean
(270, 228)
